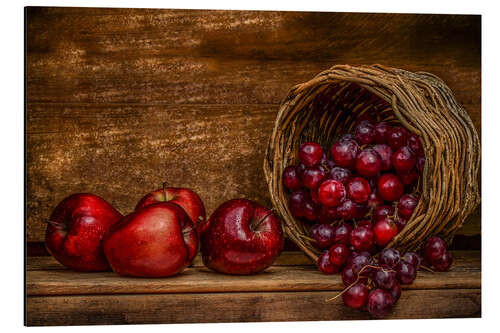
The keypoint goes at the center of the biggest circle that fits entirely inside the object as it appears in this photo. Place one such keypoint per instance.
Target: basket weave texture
(327, 106)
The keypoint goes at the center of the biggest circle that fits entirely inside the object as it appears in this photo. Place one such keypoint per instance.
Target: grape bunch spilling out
(355, 198)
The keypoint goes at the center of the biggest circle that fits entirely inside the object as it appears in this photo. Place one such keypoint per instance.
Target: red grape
(421, 163)
(348, 275)
(397, 137)
(368, 163)
(395, 291)
(291, 179)
(344, 153)
(380, 303)
(358, 189)
(311, 210)
(314, 196)
(343, 234)
(296, 202)
(406, 272)
(339, 254)
(384, 231)
(328, 214)
(403, 160)
(443, 263)
(385, 278)
(364, 132)
(347, 209)
(381, 130)
(313, 176)
(341, 174)
(356, 297)
(408, 178)
(412, 258)
(331, 192)
(434, 248)
(389, 258)
(361, 263)
(415, 144)
(362, 238)
(390, 187)
(310, 153)
(374, 200)
(323, 234)
(406, 205)
(401, 222)
(326, 162)
(382, 212)
(385, 152)
(325, 265)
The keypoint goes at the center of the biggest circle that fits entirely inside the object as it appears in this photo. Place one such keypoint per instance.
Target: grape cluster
(363, 192)
(436, 253)
(355, 200)
(375, 284)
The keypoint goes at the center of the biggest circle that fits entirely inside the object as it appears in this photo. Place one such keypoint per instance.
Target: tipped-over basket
(327, 106)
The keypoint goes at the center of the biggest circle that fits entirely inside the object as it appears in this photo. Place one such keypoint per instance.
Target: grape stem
(348, 287)
(357, 280)
(427, 269)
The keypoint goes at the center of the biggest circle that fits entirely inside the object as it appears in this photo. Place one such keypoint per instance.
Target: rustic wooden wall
(119, 100)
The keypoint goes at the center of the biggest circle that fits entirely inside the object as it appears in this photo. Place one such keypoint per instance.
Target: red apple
(158, 240)
(186, 198)
(75, 231)
(242, 237)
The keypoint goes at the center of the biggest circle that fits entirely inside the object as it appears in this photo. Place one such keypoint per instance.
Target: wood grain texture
(242, 307)
(122, 152)
(287, 258)
(178, 56)
(119, 100)
(58, 296)
(466, 273)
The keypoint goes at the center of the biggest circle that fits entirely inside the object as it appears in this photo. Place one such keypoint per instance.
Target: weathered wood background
(120, 100)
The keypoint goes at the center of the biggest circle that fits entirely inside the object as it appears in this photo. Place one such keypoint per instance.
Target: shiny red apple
(158, 240)
(75, 231)
(242, 237)
(186, 198)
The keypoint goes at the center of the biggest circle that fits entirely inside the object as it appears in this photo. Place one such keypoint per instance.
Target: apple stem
(54, 223)
(187, 231)
(165, 191)
(262, 220)
(201, 221)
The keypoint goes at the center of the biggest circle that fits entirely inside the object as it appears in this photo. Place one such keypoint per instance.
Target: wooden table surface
(58, 296)
(120, 100)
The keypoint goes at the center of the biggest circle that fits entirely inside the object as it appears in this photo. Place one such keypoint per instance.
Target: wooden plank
(462, 260)
(465, 273)
(287, 258)
(91, 55)
(239, 307)
(121, 152)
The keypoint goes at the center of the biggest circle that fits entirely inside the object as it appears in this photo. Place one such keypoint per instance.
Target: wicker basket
(327, 106)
